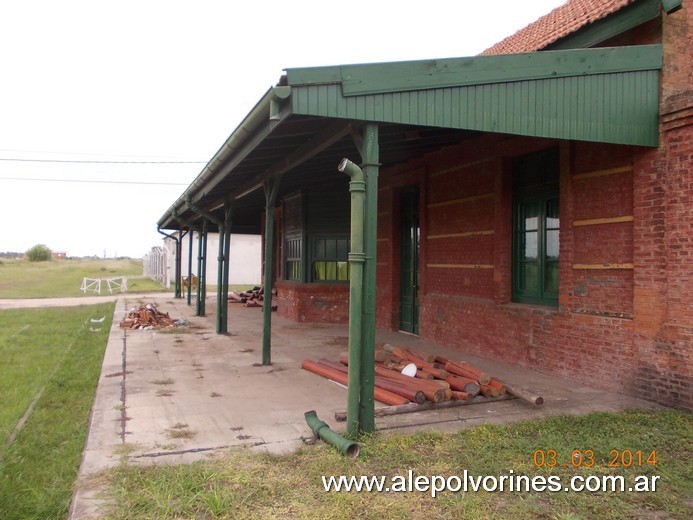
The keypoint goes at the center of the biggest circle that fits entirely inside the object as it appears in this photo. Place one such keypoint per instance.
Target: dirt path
(29, 303)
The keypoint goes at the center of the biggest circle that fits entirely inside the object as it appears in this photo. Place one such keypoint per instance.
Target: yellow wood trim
(462, 200)
(602, 266)
(465, 234)
(597, 221)
(460, 167)
(462, 266)
(603, 173)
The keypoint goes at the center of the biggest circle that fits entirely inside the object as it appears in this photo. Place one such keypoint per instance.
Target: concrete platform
(189, 394)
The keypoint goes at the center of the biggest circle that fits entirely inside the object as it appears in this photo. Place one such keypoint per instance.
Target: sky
(132, 98)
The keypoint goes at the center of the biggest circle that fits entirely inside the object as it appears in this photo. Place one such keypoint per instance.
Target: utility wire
(81, 161)
(94, 181)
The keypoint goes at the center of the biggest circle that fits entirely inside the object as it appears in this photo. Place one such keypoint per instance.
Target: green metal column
(271, 190)
(203, 271)
(220, 257)
(370, 155)
(357, 188)
(191, 233)
(200, 277)
(224, 286)
(220, 277)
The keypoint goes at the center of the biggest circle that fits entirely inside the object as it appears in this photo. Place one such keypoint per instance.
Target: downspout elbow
(352, 170)
(158, 229)
(321, 429)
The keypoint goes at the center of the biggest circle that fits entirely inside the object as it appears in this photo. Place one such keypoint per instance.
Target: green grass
(52, 354)
(63, 278)
(246, 485)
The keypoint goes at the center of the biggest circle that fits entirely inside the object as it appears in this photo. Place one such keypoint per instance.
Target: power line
(81, 161)
(94, 181)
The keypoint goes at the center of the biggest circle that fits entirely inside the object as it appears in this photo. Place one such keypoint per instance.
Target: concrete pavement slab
(175, 396)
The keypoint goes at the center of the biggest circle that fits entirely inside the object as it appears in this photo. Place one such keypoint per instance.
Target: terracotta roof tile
(560, 22)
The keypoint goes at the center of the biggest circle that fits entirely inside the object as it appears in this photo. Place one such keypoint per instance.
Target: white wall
(245, 263)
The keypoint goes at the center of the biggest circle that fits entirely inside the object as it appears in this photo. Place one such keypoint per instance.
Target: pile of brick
(146, 316)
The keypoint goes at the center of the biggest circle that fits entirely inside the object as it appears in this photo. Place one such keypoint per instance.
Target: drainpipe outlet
(322, 430)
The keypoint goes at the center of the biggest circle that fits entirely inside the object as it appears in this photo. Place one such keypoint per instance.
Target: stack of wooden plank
(437, 379)
(146, 315)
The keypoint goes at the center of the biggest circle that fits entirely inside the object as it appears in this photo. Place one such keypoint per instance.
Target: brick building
(534, 204)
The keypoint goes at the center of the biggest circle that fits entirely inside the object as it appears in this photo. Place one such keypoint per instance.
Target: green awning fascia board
(380, 78)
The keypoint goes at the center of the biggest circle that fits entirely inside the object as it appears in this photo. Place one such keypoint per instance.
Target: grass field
(245, 485)
(50, 360)
(63, 278)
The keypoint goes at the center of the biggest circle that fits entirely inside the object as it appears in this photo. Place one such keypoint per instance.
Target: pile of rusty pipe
(412, 394)
(434, 391)
(381, 395)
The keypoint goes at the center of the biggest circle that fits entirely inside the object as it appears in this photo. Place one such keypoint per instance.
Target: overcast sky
(168, 81)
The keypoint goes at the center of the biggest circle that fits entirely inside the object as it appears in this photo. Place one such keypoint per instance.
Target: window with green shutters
(536, 228)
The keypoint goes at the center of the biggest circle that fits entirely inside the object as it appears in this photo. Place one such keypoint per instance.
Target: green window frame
(330, 259)
(536, 229)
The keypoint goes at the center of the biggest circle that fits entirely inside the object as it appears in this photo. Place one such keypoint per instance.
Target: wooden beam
(310, 149)
(603, 173)
(465, 234)
(605, 266)
(461, 266)
(599, 221)
(461, 200)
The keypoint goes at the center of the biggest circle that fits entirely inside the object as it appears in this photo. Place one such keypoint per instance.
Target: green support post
(370, 155)
(271, 190)
(190, 256)
(220, 276)
(220, 257)
(203, 271)
(224, 286)
(199, 272)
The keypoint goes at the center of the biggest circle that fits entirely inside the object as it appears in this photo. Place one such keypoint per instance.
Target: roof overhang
(308, 122)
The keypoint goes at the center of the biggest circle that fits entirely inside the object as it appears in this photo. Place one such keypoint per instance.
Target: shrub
(39, 253)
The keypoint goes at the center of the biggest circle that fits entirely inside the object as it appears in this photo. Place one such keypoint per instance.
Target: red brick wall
(314, 302)
(625, 316)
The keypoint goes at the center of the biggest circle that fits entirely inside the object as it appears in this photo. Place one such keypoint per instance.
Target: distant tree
(39, 253)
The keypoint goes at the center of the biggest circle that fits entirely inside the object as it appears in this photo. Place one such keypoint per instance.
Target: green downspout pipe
(322, 430)
(220, 257)
(357, 259)
(370, 154)
(177, 271)
(271, 190)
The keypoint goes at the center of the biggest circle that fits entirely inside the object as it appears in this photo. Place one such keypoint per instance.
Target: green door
(409, 281)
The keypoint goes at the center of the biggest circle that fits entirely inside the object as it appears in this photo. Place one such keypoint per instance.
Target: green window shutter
(536, 229)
